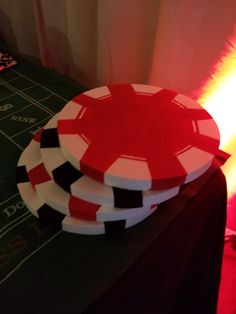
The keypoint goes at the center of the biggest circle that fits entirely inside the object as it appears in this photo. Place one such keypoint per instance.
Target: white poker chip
(137, 137)
(87, 189)
(57, 198)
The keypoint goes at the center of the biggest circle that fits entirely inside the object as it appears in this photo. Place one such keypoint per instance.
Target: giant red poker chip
(137, 137)
(87, 189)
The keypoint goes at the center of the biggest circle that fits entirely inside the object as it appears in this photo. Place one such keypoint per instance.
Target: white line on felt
(27, 213)
(16, 224)
(39, 85)
(28, 98)
(12, 113)
(44, 98)
(3, 202)
(7, 96)
(10, 139)
(28, 256)
(23, 89)
(30, 127)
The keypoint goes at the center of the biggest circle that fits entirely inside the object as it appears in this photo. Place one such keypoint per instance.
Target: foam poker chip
(137, 137)
(42, 210)
(73, 181)
(70, 224)
(65, 203)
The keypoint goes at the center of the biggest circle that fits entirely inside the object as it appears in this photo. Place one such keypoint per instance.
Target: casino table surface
(169, 263)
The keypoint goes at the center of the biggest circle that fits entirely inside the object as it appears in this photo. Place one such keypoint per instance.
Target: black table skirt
(180, 271)
(177, 272)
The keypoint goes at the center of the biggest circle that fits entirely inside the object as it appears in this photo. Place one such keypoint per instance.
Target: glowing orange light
(219, 99)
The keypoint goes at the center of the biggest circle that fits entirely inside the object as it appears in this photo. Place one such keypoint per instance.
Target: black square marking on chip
(65, 175)
(51, 216)
(114, 227)
(49, 138)
(127, 198)
(21, 174)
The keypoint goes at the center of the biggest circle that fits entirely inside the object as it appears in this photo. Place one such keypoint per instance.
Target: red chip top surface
(137, 137)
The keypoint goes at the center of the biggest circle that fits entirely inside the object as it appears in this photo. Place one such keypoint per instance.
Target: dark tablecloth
(177, 272)
(180, 271)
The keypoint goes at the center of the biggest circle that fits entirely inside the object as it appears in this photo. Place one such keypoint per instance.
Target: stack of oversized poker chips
(114, 153)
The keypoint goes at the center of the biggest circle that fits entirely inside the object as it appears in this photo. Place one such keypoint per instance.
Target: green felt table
(45, 270)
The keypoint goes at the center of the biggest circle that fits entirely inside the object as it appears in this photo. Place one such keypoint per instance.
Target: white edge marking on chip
(99, 92)
(52, 123)
(146, 89)
(208, 128)
(195, 162)
(104, 213)
(54, 196)
(31, 156)
(70, 111)
(136, 173)
(135, 220)
(92, 191)
(29, 197)
(49, 192)
(70, 224)
(187, 102)
(199, 172)
(151, 197)
(73, 147)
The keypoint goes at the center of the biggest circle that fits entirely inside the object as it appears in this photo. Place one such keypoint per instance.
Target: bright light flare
(221, 104)
(219, 99)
